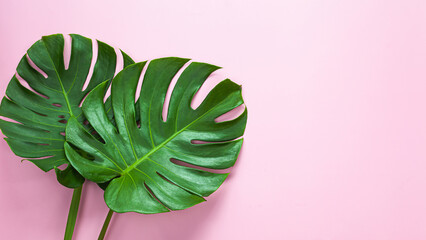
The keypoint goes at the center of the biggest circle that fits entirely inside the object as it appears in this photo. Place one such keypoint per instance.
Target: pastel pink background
(335, 146)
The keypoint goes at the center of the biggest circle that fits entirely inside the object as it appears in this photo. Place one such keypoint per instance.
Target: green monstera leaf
(139, 157)
(40, 111)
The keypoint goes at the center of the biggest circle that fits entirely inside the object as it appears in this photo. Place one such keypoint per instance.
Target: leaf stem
(72, 214)
(105, 226)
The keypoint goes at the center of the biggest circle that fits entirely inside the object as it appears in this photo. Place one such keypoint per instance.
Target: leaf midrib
(155, 149)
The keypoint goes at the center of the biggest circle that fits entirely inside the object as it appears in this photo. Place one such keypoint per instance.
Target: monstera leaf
(40, 111)
(139, 157)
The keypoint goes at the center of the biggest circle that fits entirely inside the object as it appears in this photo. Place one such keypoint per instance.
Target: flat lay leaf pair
(144, 163)
(38, 106)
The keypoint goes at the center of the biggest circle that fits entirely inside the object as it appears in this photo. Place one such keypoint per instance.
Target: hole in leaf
(67, 50)
(25, 84)
(153, 195)
(139, 86)
(92, 66)
(97, 136)
(118, 67)
(170, 90)
(214, 79)
(197, 141)
(43, 144)
(159, 174)
(61, 116)
(9, 120)
(120, 61)
(64, 121)
(81, 152)
(137, 94)
(82, 100)
(62, 133)
(185, 164)
(166, 179)
(62, 167)
(56, 104)
(108, 93)
(32, 64)
(41, 114)
(39, 158)
(231, 115)
(86, 122)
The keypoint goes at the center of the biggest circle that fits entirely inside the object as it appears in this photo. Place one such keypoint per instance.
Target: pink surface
(335, 146)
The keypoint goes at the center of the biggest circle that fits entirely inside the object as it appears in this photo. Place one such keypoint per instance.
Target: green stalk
(72, 214)
(105, 226)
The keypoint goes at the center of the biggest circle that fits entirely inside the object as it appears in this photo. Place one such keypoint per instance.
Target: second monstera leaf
(40, 111)
(135, 153)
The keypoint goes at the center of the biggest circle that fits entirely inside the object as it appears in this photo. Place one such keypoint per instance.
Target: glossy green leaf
(40, 111)
(138, 159)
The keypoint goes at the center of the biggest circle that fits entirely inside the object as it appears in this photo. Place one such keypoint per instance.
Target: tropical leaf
(40, 111)
(137, 157)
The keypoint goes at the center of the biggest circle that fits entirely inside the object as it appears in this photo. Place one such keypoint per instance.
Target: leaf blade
(148, 180)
